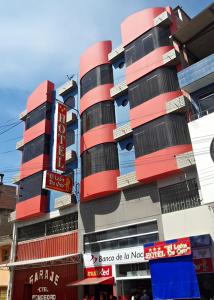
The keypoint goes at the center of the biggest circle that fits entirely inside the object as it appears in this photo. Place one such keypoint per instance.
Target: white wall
(189, 222)
(202, 134)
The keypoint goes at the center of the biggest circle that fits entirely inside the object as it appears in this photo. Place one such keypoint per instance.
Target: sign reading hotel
(166, 249)
(59, 155)
(94, 272)
(57, 182)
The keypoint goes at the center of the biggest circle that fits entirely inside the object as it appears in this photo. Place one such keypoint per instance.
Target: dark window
(125, 102)
(143, 228)
(179, 196)
(31, 186)
(166, 131)
(70, 102)
(58, 225)
(100, 75)
(122, 243)
(100, 158)
(36, 147)
(146, 43)
(206, 102)
(40, 113)
(129, 146)
(157, 82)
(70, 137)
(97, 114)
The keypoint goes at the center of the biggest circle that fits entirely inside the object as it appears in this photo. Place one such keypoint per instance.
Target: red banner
(165, 250)
(105, 271)
(60, 137)
(57, 182)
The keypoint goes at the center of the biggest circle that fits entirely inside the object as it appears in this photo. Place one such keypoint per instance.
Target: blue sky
(43, 39)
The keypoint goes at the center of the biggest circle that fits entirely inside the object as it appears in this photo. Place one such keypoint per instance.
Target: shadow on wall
(106, 206)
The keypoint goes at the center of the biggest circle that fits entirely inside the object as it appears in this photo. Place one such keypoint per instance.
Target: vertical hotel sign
(59, 155)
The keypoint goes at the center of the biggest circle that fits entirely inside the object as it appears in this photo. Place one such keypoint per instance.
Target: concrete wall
(189, 222)
(202, 135)
(131, 206)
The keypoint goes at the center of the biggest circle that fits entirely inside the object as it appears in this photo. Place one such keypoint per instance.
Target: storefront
(203, 262)
(123, 273)
(46, 280)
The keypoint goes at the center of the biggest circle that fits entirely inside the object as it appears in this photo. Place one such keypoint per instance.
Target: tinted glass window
(206, 102)
(99, 158)
(157, 82)
(146, 43)
(31, 187)
(166, 131)
(36, 147)
(58, 225)
(179, 196)
(98, 114)
(40, 113)
(100, 75)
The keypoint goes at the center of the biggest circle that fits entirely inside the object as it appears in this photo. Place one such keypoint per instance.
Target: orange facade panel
(146, 64)
(34, 165)
(95, 56)
(43, 127)
(59, 245)
(138, 23)
(99, 185)
(97, 135)
(159, 164)
(43, 93)
(151, 109)
(96, 95)
(33, 207)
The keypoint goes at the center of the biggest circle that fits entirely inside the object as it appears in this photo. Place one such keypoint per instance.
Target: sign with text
(59, 155)
(114, 257)
(57, 182)
(167, 249)
(98, 272)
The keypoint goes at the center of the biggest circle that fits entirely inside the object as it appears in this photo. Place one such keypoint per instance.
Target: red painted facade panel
(98, 135)
(40, 128)
(33, 207)
(151, 109)
(59, 245)
(138, 23)
(146, 64)
(43, 93)
(45, 282)
(99, 185)
(96, 95)
(95, 56)
(159, 164)
(34, 165)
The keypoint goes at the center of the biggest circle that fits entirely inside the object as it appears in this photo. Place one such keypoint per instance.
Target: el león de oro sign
(60, 138)
(57, 182)
(167, 249)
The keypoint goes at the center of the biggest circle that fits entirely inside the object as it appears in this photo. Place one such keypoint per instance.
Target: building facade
(7, 205)
(139, 152)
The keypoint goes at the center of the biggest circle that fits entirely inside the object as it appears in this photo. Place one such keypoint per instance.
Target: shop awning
(73, 258)
(93, 281)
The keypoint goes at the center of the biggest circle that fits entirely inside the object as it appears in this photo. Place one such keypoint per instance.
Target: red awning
(91, 281)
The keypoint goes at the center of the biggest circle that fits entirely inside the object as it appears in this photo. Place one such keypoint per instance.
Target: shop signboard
(98, 272)
(114, 257)
(59, 148)
(167, 249)
(57, 182)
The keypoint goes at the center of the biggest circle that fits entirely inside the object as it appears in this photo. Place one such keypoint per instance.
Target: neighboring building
(134, 154)
(7, 205)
